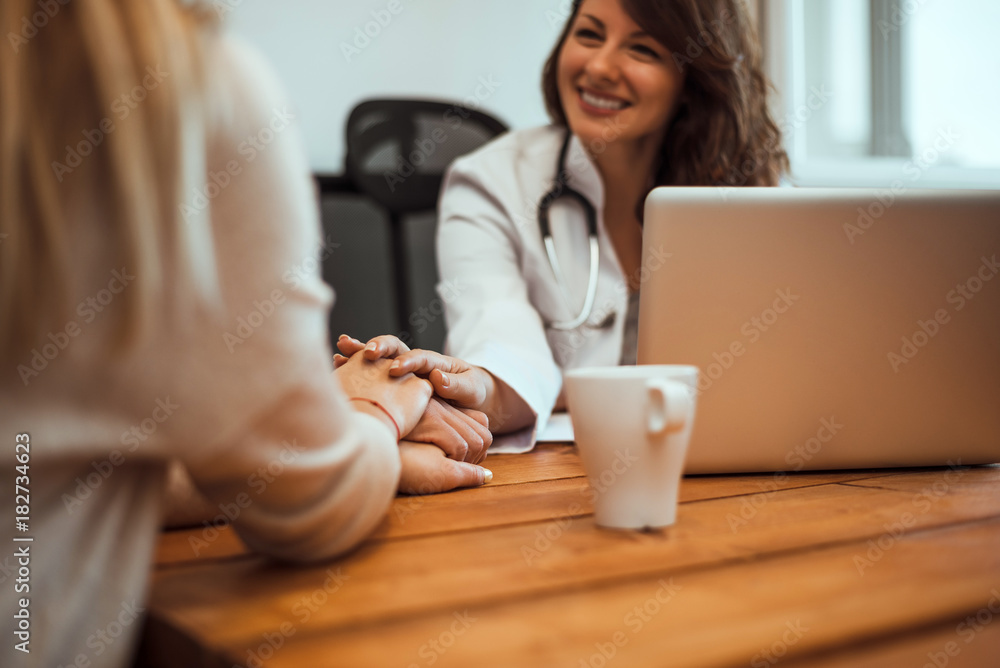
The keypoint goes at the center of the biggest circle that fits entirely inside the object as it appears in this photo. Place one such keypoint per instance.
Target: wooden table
(871, 568)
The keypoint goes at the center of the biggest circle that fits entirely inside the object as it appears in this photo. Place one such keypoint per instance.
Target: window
(871, 91)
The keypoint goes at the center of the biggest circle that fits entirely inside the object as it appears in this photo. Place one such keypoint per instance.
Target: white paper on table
(558, 430)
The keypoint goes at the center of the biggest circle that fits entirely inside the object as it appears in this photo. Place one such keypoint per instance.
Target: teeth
(602, 102)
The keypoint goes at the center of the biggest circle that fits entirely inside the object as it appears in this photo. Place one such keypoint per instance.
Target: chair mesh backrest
(398, 150)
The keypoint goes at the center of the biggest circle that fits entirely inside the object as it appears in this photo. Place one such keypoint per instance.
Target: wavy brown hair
(722, 132)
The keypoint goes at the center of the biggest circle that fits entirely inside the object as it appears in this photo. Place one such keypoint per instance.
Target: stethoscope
(561, 188)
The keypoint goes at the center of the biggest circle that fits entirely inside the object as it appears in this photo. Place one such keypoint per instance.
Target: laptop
(834, 328)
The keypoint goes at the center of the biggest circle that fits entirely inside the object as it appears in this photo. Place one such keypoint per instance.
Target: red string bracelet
(399, 434)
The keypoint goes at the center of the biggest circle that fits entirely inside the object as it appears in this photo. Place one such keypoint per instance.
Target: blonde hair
(70, 79)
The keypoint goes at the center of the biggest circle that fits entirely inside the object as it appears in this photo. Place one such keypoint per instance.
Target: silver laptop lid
(833, 328)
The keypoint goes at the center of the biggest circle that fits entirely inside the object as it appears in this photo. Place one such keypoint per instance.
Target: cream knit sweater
(250, 406)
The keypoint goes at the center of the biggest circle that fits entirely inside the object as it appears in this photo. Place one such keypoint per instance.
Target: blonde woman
(157, 302)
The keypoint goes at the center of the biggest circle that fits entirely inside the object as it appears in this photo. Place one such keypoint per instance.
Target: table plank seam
(377, 539)
(853, 483)
(608, 582)
(195, 561)
(501, 483)
(383, 539)
(781, 491)
(231, 558)
(875, 641)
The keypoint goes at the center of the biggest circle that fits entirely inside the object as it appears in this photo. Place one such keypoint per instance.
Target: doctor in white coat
(540, 235)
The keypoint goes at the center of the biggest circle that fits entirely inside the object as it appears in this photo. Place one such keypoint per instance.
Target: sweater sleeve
(300, 474)
(308, 480)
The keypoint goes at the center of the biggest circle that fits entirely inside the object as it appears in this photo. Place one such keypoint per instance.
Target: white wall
(421, 48)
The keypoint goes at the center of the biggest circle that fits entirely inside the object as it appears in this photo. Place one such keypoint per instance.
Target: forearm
(507, 411)
(380, 414)
(326, 499)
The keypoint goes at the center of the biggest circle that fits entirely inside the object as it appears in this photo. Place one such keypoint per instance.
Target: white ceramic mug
(632, 426)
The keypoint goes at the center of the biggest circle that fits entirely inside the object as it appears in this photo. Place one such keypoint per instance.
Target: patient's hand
(461, 383)
(462, 433)
(460, 430)
(426, 470)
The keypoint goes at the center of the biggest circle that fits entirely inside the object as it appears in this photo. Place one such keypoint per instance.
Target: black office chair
(397, 154)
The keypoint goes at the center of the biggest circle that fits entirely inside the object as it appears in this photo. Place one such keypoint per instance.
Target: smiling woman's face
(616, 82)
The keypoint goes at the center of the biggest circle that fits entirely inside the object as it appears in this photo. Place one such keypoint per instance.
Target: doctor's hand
(463, 433)
(398, 401)
(426, 470)
(461, 383)
(376, 348)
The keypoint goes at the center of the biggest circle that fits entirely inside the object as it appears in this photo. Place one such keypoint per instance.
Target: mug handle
(669, 407)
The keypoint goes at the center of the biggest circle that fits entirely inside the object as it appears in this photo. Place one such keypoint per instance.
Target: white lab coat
(496, 282)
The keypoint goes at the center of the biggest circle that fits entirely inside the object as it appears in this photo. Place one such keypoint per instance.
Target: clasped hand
(442, 443)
